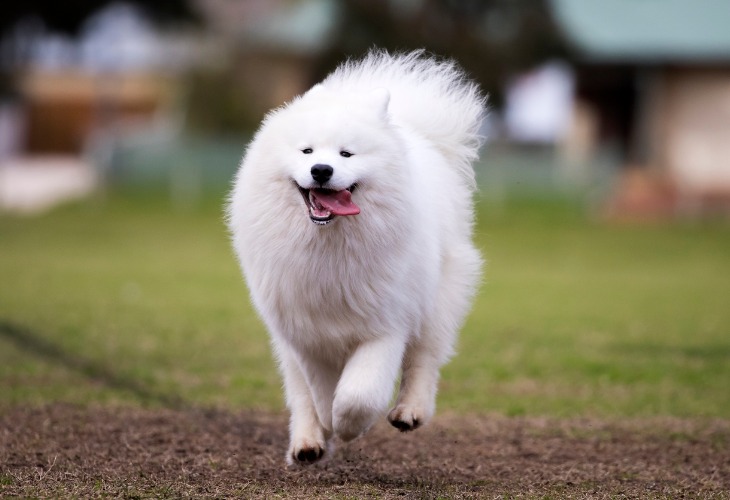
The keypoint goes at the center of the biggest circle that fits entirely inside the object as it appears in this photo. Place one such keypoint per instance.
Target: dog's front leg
(308, 437)
(366, 386)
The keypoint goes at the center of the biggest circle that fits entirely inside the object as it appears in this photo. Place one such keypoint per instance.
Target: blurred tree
(68, 15)
(491, 39)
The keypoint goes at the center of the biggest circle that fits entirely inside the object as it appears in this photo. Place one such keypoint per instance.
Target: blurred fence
(190, 166)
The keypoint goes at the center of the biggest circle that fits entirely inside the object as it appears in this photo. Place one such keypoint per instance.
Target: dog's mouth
(325, 204)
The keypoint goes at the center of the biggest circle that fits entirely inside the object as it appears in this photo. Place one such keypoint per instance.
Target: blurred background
(627, 102)
(603, 204)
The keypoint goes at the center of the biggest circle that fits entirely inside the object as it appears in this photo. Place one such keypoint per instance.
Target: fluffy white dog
(352, 216)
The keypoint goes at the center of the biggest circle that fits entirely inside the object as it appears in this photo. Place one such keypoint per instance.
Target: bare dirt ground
(65, 451)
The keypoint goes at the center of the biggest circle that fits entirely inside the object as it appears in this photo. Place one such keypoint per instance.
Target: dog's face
(333, 148)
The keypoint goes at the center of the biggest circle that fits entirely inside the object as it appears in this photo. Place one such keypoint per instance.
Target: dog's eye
(307, 151)
(345, 154)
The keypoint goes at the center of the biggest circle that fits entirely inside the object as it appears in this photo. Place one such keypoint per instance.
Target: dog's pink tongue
(337, 202)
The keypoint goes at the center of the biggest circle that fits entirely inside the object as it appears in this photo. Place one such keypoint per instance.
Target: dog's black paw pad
(401, 425)
(309, 455)
(404, 426)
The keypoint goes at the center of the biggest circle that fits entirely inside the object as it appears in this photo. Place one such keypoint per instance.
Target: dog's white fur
(352, 304)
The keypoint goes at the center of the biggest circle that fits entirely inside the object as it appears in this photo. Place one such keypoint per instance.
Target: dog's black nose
(322, 173)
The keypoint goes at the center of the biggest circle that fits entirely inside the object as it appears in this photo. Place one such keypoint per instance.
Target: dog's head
(333, 147)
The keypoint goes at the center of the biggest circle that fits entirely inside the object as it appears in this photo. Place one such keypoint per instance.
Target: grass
(128, 301)
(578, 317)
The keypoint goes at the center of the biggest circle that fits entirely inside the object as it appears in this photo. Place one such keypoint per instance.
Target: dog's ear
(379, 99)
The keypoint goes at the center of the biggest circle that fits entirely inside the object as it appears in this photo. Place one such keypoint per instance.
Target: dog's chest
(325, 294)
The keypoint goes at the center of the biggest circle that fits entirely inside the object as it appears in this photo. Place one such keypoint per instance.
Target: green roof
(647, 30)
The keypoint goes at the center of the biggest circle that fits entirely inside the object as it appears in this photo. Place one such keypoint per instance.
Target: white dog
(352, 216)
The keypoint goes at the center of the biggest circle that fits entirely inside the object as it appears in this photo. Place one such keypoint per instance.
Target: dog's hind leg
(426, 354)
(417, 394)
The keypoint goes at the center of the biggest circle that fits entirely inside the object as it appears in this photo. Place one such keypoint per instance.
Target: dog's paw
(352, 421)
(306, 452)
(407, 418)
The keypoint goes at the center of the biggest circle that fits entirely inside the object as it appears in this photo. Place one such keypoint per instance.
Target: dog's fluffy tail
(431, 96)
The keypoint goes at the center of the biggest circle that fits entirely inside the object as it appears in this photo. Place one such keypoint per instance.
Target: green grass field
(127, 301)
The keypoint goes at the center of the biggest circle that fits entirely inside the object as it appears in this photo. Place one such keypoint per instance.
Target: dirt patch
(63, 451)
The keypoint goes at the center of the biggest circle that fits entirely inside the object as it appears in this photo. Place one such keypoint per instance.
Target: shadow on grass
(35, 344)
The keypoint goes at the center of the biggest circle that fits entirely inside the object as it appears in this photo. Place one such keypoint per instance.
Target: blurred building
(71, 92)
(108, 75)
(653, 78)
